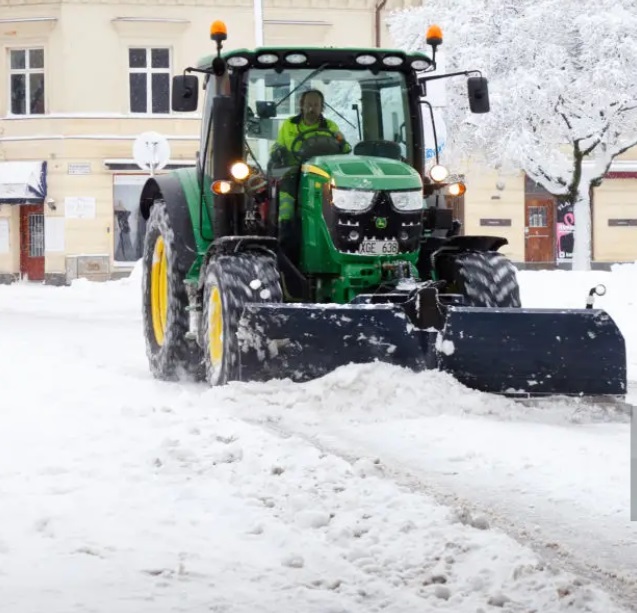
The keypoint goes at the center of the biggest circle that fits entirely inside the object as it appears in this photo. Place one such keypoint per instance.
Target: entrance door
(539, 230)
(32, 241)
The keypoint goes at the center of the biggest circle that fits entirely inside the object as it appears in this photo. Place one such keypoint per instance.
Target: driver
(290, 139)
(310, 119)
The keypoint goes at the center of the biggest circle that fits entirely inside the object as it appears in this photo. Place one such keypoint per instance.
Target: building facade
(84, 79)
(539, 228)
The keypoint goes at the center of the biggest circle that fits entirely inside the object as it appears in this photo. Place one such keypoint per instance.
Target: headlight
(267, 58)
(240, 171)
(238, 61)
(438, 173)
(366, 59)
(420, 64)
(221, 187)
(392, 60)
(296, 58)
(408, 201)
(457, 189)
(354, 200)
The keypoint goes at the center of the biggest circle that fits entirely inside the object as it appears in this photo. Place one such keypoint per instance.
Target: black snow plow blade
(528, 352)
(535, 351)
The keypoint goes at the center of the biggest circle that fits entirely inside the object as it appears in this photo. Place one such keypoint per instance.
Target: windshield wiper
(302, 83)
(329, 106)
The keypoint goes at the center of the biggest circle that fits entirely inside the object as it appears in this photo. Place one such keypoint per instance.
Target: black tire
(171, 356)
(231, 282)
(487, 279)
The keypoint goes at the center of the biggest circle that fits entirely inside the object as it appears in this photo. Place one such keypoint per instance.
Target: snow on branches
(563, 87)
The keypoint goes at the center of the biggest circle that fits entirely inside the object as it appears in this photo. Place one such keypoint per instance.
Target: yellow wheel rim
(159, 290)
(215, 328)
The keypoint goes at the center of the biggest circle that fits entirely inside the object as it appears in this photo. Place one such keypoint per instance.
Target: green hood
(363, 172)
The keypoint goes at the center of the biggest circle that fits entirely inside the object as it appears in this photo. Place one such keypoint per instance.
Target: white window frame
(149, 71)
(27, 86)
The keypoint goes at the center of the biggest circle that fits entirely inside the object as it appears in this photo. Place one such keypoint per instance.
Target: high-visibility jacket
(292, 127)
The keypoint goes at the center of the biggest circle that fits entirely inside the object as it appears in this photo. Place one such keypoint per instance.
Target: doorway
(539, 229)
(539, 223)
(32, 241)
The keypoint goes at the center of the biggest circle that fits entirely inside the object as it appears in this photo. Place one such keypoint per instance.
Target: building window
(538, 217)
(129, 225)
(26, 81)
(149, 80)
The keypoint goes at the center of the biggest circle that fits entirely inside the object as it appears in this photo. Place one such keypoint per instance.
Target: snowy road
(120, 493)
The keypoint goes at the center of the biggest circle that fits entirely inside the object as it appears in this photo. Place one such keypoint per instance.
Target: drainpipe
(258, 22)
(379, 7)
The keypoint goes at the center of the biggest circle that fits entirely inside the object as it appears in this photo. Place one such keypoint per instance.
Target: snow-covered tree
(562, 82)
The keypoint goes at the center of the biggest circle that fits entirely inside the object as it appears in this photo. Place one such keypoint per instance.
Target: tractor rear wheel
(487, 279)
(231, 282)
(165, 317)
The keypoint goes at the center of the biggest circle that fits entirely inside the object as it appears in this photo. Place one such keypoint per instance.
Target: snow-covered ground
(372, 489)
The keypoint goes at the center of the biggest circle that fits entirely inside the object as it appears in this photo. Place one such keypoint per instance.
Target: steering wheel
(316, 142)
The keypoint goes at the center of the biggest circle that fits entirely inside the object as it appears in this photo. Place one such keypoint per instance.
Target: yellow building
(85, 79)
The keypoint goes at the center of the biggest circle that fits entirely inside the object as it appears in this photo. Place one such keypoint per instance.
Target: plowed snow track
(615, 573)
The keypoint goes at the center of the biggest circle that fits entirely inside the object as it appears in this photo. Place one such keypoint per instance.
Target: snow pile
(82, 299)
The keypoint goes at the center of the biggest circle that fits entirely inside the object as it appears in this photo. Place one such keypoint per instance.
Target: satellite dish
(151, 151)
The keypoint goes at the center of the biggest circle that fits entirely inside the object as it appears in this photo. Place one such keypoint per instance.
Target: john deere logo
(381, 223)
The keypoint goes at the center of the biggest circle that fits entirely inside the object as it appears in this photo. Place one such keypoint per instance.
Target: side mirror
(478, 94)
(185, 96)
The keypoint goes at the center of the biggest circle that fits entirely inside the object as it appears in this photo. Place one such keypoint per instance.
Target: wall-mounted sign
(495, 222)
(622, 222)
(79, 208)
(79, 168)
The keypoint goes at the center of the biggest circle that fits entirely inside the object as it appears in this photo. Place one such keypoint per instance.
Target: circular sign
(151, 151)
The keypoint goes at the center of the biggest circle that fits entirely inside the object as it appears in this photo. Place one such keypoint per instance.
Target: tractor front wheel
(232, 281)
(487, 279)
(171, 355)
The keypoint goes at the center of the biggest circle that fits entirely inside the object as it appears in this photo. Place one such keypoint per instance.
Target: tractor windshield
(367, 110)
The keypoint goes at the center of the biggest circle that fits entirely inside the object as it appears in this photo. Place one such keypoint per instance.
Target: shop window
(128, 224)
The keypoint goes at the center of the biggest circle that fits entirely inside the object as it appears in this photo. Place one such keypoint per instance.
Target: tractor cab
(327, 110)
(289, 112)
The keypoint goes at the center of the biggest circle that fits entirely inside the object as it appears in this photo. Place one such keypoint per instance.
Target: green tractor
(296, 246)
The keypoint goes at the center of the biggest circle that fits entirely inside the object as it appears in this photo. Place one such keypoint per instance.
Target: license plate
(376, 247)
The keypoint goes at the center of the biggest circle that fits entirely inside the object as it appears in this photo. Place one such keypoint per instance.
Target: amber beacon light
(434, 35)
(218, 31)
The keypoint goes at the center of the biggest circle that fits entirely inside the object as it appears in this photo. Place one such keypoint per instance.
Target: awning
(131, 164)
(22, 182)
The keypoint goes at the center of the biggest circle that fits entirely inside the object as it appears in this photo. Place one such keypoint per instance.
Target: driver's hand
(278, 156)
(345, 147)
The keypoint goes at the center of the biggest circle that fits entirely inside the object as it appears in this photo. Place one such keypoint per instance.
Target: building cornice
(267, 4)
